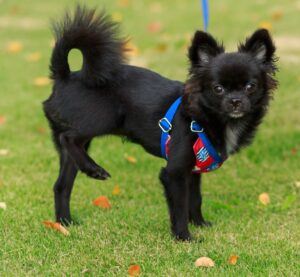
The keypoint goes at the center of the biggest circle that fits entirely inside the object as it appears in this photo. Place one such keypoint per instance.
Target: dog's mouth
(236, 114)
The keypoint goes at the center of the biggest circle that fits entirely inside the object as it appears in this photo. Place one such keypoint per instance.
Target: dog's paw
(96, 172)
(202, 223)
(183, 236)
(65, 221)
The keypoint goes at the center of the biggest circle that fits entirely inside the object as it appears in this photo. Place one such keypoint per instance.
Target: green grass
(136, 229)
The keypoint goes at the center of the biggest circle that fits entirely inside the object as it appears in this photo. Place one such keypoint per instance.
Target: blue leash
(205, 12)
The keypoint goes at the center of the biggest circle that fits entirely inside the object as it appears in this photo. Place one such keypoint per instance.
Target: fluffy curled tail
(96, 36)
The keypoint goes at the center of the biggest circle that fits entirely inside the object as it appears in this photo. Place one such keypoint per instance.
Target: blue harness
(206, 157)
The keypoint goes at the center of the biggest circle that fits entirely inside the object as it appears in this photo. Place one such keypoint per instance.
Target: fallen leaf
(14, 47)
(264, 198)
(56, 226)
(233, 259)
(116, 190)
(154, 27)
(4, 152)
(297, 184)
(155, 8)
(131, 159)
(102, 202)
(33, 57)
(41, 130)
(204, 262)
(86, 270)
(2, 119)
(123, 3)
(41, 81)
(14, 10)
(3, 205)
(131, 49)
(117, 17)
(294, 151)
(161, 47)
(134, 270)
(277, 15)
(266, 25)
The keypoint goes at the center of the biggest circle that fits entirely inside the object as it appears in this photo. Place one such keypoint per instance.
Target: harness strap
(206, 156)
(166, 125)
(196, 128)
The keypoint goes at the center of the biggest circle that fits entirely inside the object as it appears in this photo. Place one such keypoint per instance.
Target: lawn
(136, 229)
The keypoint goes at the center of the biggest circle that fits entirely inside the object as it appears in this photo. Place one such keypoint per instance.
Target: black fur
(109, 97)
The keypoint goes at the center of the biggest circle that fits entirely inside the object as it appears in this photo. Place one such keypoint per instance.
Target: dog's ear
(203, 48)
(260, 46)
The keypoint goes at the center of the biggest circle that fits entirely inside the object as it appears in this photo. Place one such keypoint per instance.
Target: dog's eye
(250, 87)
(218, 89)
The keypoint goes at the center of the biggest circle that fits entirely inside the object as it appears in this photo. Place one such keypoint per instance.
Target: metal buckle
(165, 129)
(194, 129)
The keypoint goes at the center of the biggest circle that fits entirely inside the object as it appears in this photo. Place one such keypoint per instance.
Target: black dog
(228, 93)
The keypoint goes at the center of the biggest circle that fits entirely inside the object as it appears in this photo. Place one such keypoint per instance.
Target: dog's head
(232, 85)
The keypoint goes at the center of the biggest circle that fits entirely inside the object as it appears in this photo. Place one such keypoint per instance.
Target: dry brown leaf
(2, 119)
(161, 47)
(204, 262)
(123, 3)
(264, 198)
(117, 17)
(56, 226)
(4, 152)
(155, 7)
(41, 130)
(134, 270)
(14, 10)
(102, 202)
(154, 27)
(14, 47)
(3, 205)
(266, 25)
(116, 190)
(233, 259)
(41, 81)
(33, 57)
(131, 159)
(294, 151)
(277, 15)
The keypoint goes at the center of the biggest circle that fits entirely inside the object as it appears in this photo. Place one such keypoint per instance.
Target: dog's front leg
(176, 192)
(195, 201)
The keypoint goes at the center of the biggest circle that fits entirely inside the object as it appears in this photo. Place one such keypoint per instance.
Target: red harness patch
(204, 162)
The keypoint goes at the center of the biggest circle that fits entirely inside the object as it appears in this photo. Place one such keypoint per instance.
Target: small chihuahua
(227, 93)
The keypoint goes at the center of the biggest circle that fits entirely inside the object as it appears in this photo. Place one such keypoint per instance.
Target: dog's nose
(235, 102)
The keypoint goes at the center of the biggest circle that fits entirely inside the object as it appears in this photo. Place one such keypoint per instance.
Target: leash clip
(195, 127)
(165, 125)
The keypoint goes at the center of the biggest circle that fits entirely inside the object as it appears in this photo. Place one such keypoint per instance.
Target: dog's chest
(232, 137)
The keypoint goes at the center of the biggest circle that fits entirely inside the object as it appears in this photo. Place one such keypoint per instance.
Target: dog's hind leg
(63, 188)
(74, 144)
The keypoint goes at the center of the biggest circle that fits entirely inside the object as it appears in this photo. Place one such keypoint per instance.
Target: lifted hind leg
(74, 144)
